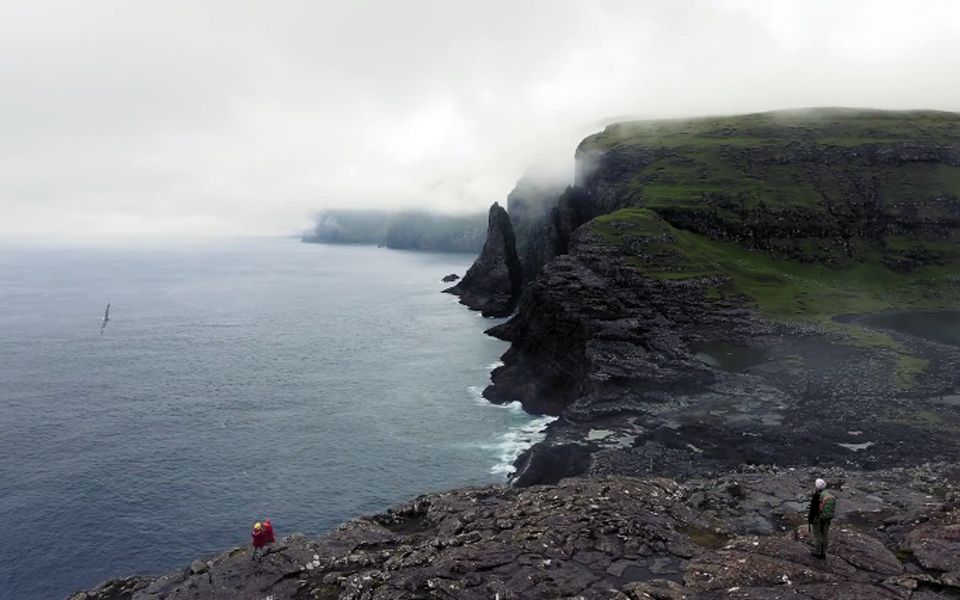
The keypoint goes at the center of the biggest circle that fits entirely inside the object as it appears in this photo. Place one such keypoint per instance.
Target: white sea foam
(476, 394)
(509, 446)
(495, 365)
(516, 408)
(857, 447)
(516, 440)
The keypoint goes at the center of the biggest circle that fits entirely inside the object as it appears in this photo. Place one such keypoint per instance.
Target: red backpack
(268, 532)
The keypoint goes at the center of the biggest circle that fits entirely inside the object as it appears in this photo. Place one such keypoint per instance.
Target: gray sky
(227, 117)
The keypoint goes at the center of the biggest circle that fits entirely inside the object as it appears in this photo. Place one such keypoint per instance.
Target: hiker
(262, 535)
(823, 506)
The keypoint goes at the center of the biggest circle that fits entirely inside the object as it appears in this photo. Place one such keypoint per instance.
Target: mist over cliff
(405, 230)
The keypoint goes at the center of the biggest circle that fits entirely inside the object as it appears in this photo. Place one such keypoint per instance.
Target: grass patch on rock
(784, 290)
(780, 289)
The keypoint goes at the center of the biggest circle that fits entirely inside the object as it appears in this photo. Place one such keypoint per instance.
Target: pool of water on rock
(939, 326)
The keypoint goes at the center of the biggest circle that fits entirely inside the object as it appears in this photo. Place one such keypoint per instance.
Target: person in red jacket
(262, 535)
(268, 531)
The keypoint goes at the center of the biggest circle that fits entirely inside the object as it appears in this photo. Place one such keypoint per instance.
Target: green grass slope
(813, 185)
(784, 290)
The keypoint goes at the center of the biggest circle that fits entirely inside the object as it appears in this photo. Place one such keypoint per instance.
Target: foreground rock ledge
(897, 536)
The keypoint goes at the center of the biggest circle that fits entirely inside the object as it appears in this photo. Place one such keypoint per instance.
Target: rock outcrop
(492, 284)
(543, 215)
(741, 535)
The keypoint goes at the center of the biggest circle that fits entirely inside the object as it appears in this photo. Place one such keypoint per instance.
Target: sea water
(234, 381)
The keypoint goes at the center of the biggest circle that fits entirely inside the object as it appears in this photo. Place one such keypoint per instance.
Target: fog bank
(186, 118)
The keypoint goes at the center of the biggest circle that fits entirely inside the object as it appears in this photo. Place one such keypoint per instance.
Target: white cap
(821, 484)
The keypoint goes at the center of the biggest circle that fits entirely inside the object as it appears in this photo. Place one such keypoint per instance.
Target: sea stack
(492, 284)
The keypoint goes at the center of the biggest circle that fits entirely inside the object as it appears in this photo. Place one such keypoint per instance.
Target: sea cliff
(690, 311)
(754, 237)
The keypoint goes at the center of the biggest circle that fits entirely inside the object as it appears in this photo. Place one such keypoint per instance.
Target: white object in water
(857, 447)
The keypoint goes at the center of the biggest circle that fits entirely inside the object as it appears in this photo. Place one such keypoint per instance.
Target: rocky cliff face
(531, 205)
(676, 376)
(492, 284)
(542, 218)
(589, 327)
(754, 233)
(742, 535)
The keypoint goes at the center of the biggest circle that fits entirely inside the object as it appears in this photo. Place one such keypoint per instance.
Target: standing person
(823, 505)
(261, 537)
(268, 532)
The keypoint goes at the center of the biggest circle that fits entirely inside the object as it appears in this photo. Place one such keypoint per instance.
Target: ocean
(236, 380)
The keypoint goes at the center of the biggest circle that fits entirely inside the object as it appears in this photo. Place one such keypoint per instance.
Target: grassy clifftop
(827, 126)
(813, 185)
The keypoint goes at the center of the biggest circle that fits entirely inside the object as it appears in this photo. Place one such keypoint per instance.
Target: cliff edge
(742, 535)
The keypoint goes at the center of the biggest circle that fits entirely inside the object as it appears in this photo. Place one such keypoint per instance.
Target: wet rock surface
(492, 284)
(611, 538)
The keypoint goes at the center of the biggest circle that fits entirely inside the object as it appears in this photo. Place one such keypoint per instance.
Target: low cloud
(123, 118)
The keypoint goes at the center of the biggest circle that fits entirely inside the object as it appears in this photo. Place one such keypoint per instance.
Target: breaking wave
(517, 440)
(519, 436)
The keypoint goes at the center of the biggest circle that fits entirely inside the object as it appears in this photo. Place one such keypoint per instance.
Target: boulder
(936, 544)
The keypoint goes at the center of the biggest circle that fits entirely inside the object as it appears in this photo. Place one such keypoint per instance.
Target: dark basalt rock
(115, 589)
(546, 464)
(530, 205)
(450, 278)
(492, 284)
(936, 546)
(610, 538)
(589, 327)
